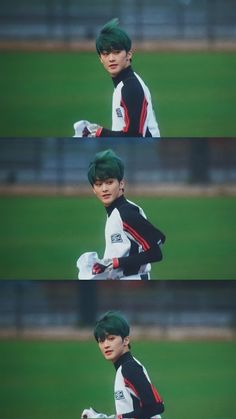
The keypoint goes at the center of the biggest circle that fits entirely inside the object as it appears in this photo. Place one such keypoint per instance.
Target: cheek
(104, 62)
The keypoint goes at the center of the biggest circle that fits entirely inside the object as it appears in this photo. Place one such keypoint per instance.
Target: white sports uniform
(132, 110)
(132, 239)
(135, 396)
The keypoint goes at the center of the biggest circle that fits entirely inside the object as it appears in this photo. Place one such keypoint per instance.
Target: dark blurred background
(64, 161)
(159, 309)
(66, 20)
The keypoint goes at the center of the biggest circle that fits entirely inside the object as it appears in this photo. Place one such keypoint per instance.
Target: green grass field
(42, 237)
(44, 93)
(51, 380)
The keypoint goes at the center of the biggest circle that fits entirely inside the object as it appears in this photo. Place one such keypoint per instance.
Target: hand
(84, 128)
(91, 413)
(98, 268)
(90, 130)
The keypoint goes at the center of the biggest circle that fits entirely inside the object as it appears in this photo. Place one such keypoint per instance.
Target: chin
(110, 358)
(114, 73)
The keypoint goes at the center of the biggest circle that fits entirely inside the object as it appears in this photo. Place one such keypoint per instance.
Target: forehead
(109, 179)
(107, 335)
(108, 50)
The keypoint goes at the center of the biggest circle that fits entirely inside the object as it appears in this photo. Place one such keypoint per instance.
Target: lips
(108, 352)
(112, 66)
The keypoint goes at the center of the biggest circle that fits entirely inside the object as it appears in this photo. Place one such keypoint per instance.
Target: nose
(104, 187)
(111, 56)
(104, 345)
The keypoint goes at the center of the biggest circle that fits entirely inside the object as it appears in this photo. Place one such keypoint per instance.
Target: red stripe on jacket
(136, 236)
(143, 115)
(156, 395)
(130, 385)
(126, 116)
(154, 391)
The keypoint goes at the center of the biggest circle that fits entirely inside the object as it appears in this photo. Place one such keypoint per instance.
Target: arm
(144, 234)
(136, 381)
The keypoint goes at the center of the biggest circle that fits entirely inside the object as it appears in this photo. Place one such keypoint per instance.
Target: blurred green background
(42, 237)
(51, 380)
(44, 93)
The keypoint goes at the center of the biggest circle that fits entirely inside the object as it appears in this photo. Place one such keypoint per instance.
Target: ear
(122, 184)
(129, 55)
(126, 340)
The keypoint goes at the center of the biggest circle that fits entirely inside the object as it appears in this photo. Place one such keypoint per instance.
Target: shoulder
(132, 83)
(129, 209)
(131, 368)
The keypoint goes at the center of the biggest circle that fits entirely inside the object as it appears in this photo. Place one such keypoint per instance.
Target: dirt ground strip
(138, 333)
(83, 45)
(162, 190)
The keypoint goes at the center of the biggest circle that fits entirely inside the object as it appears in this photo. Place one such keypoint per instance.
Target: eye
(109, 181)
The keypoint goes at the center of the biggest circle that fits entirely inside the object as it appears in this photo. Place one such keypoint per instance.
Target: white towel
(79, 127)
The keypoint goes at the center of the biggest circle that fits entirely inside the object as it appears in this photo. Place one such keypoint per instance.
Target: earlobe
(129, 55)
(126, 340)
(122, 185)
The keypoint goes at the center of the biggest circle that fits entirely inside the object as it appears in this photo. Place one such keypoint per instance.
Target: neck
(123, 75)
(122, 359)
(116, 203)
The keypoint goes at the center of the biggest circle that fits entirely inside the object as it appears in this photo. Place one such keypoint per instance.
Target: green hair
(112, 37)
(111, 323)
(105, 165)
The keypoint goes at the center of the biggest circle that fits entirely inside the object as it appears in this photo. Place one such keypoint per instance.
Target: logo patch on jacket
(119, 395)
(116, 238)
(119, 112)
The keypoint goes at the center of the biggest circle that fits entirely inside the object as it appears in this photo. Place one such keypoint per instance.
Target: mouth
(108, 352)
(112, 66)
(106, 196)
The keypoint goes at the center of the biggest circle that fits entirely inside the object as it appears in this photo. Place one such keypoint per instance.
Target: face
(113, 347)
(115, 61)
(108, 190)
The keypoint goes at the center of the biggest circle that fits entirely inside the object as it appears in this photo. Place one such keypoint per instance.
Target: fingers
(86, 132)
(98, 268)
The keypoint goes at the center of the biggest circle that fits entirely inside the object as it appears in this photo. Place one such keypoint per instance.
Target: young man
(132, 242)
(135, 395)
(132, 111)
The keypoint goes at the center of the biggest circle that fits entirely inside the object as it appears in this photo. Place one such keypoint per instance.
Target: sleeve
(134, 103)
(146, 235)
(150, 403)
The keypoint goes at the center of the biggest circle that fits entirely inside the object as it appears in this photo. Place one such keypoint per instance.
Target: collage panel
(55, 225)
(181, 335)
(51, 75)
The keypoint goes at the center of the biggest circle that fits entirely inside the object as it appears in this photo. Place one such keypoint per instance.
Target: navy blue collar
(123, 358)
(123, 75)
(116, 204)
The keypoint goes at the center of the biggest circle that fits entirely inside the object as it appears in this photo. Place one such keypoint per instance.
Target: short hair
(112, 37)
(105, 165)
(111, 323)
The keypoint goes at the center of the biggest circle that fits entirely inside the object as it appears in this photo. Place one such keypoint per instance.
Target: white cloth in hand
(85, 265)
(85, 128)
(91, 413)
